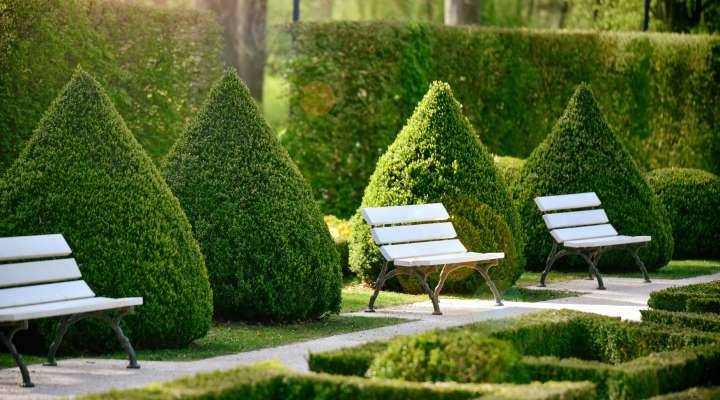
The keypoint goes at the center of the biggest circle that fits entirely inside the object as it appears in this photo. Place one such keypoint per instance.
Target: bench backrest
(39, 281)
(412, 231)
(583, 222)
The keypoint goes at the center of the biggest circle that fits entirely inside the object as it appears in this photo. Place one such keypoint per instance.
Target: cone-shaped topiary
(84, 175)
(582, 154)
(437, 157)
(692, 200)
(269, 254)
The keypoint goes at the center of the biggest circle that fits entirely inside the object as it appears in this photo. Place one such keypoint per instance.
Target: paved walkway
(624, 298)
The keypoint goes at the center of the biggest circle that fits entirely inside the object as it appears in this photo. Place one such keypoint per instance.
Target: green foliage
(702, 297)
(696, 393)
(460, 356)
(270, 381)
(624, 359)
(659, 93)
(157, 64)
(692, 200)
(582, 154)
(509, 168)
(269, 254)
(341, 231)
(438, 158)
(699, 321)
(84, 175)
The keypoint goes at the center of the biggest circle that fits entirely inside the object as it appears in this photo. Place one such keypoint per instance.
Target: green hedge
(702, 297)
(624, 359)
(697, 393)
(510, 168)
(270, 381)
(437, 157)
(157, 64)
(85, 176)
(692, 200)
(341, 231)
(354, 84)
(582, 154)
(700, 321)
(268, 252)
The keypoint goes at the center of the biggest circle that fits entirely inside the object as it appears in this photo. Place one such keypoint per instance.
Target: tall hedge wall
(157, 65)
(353, 85)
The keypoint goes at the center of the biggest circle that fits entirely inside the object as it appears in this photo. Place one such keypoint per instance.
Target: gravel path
(624, 298)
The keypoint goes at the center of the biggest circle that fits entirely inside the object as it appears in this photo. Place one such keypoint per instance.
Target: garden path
(625, 298)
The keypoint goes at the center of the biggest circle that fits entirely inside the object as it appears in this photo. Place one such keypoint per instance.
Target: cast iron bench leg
(7, 341)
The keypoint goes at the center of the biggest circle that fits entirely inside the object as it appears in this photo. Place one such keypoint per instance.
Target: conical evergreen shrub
(582, 154)
(84, 175)
(437, 157)
(269, 254)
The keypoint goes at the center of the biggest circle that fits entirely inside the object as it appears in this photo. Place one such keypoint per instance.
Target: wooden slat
(413, 233)
(607, 241)
(583, 232)
(37, 294)
(35, 272)
(68, 307)
(405, 214)
(443, 259)
(37, 246)
(420, 249)
(567, 201)
(575, 218)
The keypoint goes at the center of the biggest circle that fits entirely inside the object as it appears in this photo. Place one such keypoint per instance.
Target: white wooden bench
(586, 233)
(417, 249)
(51, 288)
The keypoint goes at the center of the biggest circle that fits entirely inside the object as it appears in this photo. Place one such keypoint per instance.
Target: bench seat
(443, 259)
(606, 241)
(67, 307)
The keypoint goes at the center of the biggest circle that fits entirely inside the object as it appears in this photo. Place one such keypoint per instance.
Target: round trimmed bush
(437, 157)
(692, 200)
(582, 154)
(85, 176)
(460, 356)
(268, 252)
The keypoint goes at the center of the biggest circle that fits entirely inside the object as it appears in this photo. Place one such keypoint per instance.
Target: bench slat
(567, 201)
(36, 246)
(583, 232)
(443, 259)
(413, 233)
(35, 272)
(575, 218)
(405, 214)
(47, 293)
(59, 308)
(608, 241)
(420, 249)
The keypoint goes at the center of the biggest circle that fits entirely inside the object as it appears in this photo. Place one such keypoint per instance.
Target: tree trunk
(462, 12)
(244, 23)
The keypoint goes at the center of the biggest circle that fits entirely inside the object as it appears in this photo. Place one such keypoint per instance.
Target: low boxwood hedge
(624, 359)
(269, 381)
(692, 200)
(702, 297)
(697, 393)
(700, 321)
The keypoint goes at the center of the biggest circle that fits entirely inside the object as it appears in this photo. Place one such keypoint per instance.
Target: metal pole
(296, 10)
(646, 18)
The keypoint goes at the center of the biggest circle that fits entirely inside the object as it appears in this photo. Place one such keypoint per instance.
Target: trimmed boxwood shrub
(156, 64)
(659, 93)
(438, 158)
(582, 154)
(84, 175)
(271, 381)
(700, 298)
(696, 393)
(692, 200)
(707, 322)
(510, 168)
(460, 356)
(269, 253)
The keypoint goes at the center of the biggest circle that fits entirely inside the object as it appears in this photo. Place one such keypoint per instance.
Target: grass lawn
(235, 337)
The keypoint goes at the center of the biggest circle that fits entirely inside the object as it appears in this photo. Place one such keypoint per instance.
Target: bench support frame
(421, 273)
(592, 256)
(111, 317)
